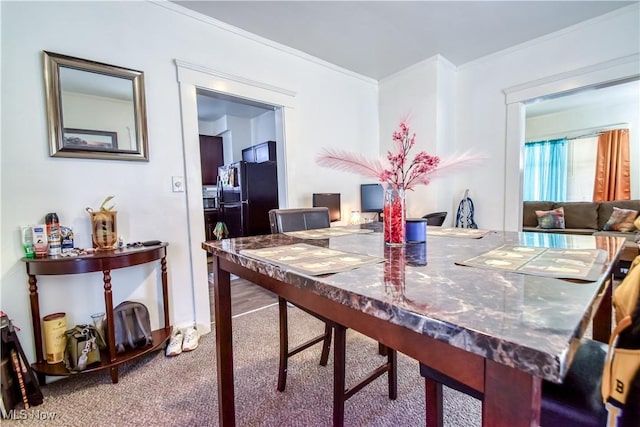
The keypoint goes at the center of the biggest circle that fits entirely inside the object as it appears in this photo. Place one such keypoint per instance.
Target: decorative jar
(104, 230)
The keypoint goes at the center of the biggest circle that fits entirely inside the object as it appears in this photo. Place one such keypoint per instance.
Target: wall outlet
(177, 184)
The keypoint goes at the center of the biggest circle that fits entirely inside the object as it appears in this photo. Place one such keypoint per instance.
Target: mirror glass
(94, 110)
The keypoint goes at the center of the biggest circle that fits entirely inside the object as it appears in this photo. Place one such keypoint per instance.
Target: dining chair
(577, 402)
(286, 220)
(435, 218)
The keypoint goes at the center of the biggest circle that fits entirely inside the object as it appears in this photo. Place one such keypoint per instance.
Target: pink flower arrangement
(399, 174)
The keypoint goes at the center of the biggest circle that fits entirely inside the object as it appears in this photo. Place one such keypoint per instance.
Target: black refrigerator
(246, 193)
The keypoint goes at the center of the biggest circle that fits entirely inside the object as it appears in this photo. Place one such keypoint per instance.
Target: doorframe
(192, 77)
(608, 73)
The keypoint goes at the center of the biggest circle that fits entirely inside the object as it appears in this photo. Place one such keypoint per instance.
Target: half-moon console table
(104, 261)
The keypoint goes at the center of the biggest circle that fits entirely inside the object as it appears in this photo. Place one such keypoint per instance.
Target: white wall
(135, 35)
(481, 108)
(240, 129)
(263, 128)
(593, 116)
(105, 114)
(424, 95)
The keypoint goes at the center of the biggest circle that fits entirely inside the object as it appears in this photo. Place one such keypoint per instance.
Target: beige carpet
(181, 391)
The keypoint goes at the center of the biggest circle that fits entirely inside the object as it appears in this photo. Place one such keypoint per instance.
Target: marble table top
(529, 322)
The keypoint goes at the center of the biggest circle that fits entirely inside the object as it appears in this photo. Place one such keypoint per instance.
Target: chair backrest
(283, 220)
(435, 218)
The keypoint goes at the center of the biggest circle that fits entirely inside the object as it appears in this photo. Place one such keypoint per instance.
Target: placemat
(581, 264)
(469, 233)
(325, 233)
(310, 259)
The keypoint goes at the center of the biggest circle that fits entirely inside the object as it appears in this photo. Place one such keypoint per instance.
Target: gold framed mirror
(94, 110)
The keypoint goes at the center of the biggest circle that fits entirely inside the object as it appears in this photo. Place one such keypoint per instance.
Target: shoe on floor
(191, 337)
(175, 343)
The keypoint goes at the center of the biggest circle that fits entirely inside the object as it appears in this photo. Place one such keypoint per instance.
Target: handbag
(132, 326)
(83, 347)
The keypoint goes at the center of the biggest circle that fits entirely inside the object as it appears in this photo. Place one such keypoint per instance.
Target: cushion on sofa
(580, 214)
(529, 218)
(606, 209)
(551, 219)
(621, 220)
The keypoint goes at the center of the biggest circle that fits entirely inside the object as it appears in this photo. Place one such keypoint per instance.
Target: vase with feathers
(399, 175)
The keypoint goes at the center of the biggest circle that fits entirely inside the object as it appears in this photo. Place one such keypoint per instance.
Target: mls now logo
(23, 414)
(15, 414)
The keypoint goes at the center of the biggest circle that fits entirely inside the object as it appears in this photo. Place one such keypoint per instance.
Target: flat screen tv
(371, 198)
(328, 200)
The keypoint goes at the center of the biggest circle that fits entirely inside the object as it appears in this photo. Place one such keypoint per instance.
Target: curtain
(545, 170)
(613, 177)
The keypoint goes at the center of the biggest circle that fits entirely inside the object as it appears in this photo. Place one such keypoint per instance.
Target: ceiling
(379, 38)
(212, 106)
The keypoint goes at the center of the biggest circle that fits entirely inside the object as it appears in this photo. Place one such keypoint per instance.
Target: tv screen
(328, 200)
(371, 198)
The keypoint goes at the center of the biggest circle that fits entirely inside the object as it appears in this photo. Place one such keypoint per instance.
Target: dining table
(456, 303)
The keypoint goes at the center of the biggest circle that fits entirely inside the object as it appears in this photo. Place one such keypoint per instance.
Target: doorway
(601, 75)
(193, 78)
(578, 118)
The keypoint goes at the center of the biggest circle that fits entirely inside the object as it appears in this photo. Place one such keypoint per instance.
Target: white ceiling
(212, 106)
(379, 38)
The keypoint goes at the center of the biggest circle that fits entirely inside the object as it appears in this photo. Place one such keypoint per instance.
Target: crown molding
(593, 21)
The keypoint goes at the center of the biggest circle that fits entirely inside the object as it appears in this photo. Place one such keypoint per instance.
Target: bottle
(53, 234)
(27, 241)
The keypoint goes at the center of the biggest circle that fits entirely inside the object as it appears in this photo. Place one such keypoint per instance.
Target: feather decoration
(453, 163)
(351, 162)
(401, 172)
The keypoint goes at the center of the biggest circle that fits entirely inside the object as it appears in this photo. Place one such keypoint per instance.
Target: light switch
(177, 184)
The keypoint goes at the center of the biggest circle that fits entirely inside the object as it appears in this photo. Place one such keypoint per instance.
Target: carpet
(181, 391)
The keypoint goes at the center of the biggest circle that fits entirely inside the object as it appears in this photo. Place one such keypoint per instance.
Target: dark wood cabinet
(211, 156)
(260, 152)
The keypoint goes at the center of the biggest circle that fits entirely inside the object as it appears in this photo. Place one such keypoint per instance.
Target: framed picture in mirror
(94, 110)
(90, 139)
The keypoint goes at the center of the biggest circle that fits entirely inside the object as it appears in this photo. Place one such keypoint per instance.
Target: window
(561, 170)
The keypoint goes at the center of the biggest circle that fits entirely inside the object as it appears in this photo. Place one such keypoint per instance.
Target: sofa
(587, 218)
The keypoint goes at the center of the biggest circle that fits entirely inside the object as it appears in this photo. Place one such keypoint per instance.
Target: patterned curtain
(545, 170)
(613, 176)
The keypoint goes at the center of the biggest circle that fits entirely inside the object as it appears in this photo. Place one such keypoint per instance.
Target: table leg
(602, 319)
(512, 398)
(339, 358)
(433, 400)
(165, 289)
(224, 349)
(111, 340)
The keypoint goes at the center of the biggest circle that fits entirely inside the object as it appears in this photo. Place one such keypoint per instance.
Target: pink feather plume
(351, 162)
(453, 163)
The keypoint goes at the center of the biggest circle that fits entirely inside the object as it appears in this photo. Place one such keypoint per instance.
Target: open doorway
(230, 128)
(606, 74)
(575, 121)
(192, 79)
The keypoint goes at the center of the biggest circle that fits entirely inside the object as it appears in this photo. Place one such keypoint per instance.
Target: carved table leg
(111, 340)
(35, 320)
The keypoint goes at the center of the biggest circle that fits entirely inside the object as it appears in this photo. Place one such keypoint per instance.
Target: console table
(105, 262)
